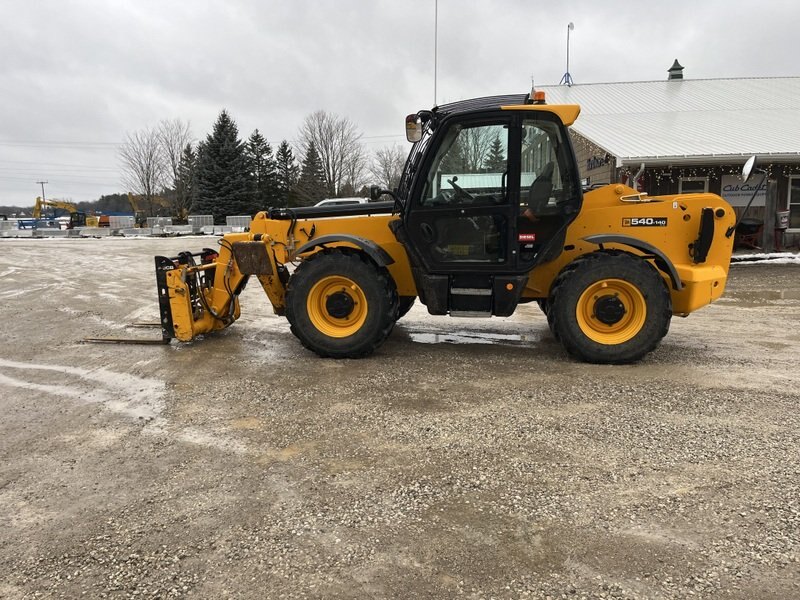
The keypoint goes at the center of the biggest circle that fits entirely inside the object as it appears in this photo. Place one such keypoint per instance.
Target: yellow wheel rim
(337, 306)
(611, 311)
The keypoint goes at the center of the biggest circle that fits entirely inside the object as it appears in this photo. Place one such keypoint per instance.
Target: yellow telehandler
(489, 214)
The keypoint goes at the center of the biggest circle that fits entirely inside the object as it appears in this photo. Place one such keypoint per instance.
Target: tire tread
(383, 327)
(636, 348)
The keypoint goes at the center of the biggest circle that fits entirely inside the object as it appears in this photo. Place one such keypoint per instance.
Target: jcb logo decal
(644, 222)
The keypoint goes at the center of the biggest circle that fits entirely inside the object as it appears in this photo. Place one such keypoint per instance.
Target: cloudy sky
(76, 75)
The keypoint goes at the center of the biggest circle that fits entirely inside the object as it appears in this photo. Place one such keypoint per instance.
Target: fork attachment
(195, 298)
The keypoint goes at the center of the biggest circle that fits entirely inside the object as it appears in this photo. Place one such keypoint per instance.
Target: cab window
(470, 167)
(545, 181)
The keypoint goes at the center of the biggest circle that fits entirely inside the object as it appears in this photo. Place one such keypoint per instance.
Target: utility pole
(42, 183)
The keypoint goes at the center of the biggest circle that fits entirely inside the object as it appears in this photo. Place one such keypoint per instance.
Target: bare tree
(338, 143)
(356, 170)
(174, 136)
(387, 166)
(476, 144)
(143, 164)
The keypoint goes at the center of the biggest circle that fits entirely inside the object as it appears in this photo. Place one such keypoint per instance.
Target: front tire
(610, 307)
(544, 305)
(340, 304)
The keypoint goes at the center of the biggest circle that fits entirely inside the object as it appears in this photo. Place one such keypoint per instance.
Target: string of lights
(664, 174)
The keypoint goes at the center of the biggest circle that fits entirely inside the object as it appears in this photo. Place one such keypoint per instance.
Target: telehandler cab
(489, 214)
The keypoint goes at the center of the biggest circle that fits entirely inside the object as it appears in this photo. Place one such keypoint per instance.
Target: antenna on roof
(567, 78)
(435, 48)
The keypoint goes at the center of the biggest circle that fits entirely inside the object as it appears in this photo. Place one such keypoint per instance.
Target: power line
(391, 135)
(49, 164)
(60, 144)
(71, 179)
(34, 171)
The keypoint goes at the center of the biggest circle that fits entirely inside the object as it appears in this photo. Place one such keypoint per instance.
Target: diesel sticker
(527, 237)
(645, 222)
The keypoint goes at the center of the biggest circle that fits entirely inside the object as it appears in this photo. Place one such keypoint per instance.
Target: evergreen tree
(311, 187)
(184, 183)
(262, 170)
(455, 161)
(496, 158)
(223, 185)
(286, 174)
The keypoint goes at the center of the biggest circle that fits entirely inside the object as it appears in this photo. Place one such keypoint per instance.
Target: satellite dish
(747, 170)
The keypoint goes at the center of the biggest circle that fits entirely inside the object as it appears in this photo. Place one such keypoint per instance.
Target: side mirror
(748, 168)
(413, 128)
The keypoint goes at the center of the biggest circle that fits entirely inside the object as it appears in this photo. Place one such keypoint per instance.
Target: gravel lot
(242, 466)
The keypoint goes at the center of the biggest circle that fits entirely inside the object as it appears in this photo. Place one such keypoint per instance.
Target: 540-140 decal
(644, 222)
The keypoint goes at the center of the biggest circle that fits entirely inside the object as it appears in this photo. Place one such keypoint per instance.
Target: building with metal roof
(693, 135)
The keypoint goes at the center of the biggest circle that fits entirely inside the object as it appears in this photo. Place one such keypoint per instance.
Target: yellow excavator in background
(139, 215)
(158, 204)
(77, 218)
(470, 235)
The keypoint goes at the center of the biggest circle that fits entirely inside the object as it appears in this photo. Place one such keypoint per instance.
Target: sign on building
(737, 193)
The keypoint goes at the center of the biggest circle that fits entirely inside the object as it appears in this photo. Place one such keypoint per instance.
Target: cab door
(464, 207)
(550, 193)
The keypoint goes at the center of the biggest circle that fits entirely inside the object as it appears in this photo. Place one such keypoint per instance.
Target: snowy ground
(467, 458)
(778, 258)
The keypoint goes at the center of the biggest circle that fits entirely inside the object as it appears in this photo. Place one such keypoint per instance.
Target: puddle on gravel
(463, 337)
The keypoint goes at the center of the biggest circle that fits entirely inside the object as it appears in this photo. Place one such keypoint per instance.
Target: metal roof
(688, 120)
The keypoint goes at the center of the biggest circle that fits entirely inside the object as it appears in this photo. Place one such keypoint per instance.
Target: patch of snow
(773, 258)
(121, 393)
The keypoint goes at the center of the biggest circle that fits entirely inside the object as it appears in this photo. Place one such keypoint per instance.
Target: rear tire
(340, 304)
(609, 307)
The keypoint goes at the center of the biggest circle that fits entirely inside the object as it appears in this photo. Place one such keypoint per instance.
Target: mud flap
(705, 237)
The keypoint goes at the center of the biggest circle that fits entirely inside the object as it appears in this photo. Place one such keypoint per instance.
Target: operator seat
(540, 190)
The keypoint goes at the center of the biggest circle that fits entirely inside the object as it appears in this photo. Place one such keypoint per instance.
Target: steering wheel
(459, 190)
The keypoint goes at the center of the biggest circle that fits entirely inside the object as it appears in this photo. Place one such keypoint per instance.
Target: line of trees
(224, 175)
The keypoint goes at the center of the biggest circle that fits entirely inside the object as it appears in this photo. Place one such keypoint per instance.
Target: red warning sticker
(527, 237)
